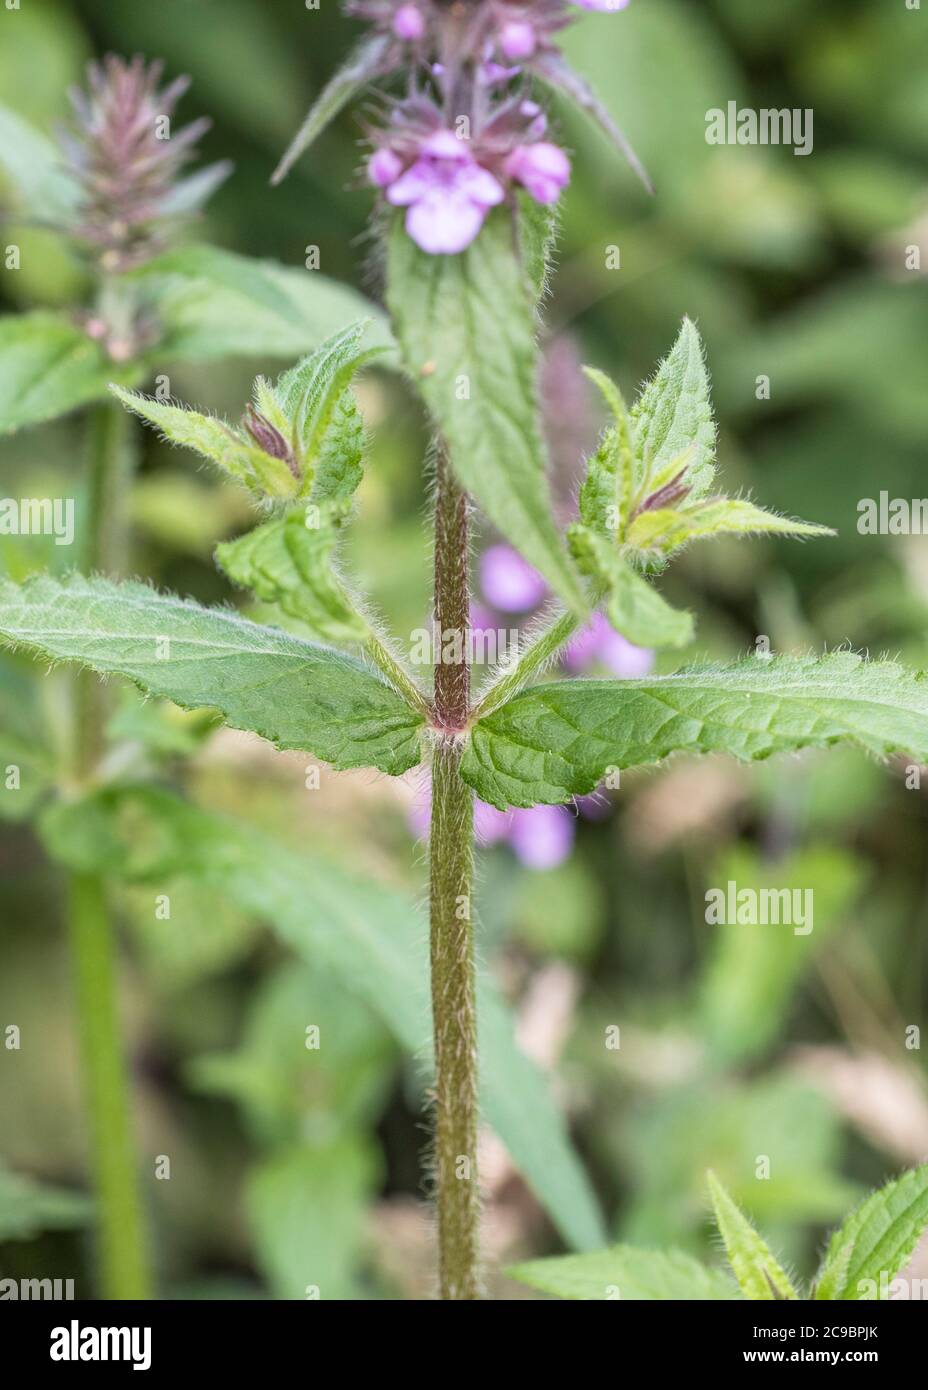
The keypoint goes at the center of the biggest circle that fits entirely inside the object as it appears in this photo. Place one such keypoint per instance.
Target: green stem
(531, 659)
(121, 1244)
(396, 672)
(122, 1247)
(454, 1010)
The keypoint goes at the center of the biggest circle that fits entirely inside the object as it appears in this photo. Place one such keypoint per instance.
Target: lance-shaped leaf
(633, 605)
(665, 529)
(49, 367)
(367, 932)
(625, 1272)
(868, 1250)
(230, 449)
(673, 414)
(467, 331)
(369, 60)
(292, 692)
(555, 741)
(560, 76)
(28, 1207)
(289, 560)
(310, 393)
(42, 188)
(213, 304)
(759, 1274)
(241, 275)
(607, 491)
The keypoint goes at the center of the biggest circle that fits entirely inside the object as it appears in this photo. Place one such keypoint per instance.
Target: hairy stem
(122, 1248)
(454, 1010)
(544, 645)
(121, 1245)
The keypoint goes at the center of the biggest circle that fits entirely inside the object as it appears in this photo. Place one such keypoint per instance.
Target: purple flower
(384, 167)
(542, 836)
(542, 168)
(599, 643)
(603, 4)
(447, 193)
(508, 581)
(409, 23)
(517, 39)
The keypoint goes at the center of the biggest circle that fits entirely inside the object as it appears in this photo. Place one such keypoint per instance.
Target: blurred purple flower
(603, 4)
(384, 167)
(517, 39)
(542, 168)
(599, 644)
(508, 582)
(409, 23)
(540, 837)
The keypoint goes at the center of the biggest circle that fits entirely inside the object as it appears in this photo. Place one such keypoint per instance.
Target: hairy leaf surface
(877, 1239)
(555, 741)
(467, 329)
(759, 1274)
(626, 1272)
(292, 692)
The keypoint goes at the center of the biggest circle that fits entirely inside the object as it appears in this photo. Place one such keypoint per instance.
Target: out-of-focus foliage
(675, 1045)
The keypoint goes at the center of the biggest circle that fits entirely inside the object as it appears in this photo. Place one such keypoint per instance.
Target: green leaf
(625, 1272)
(666, 529)
(480, 385)
(673, 414)
(310, 393)
(367, 933)
(555, 741)
(289, 562)
(292, 692)
(287, 1089)
(551, 68)
(364, 64)
(225, 270)
(876, 1241)
(213, 304)
(757, 1270)
(228, 448)
(35, 167)
(746, 986)
(49, 367)
(633, 605)
(28, 1207)
(307, 1209)
(607, 491)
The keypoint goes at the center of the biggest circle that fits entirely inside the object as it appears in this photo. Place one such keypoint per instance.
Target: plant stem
(454, 1010)
(121, 1245)
(122, 1248)
(541, 648)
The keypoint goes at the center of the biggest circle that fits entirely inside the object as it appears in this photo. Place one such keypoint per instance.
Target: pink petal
(479, 184)
(418, 181)
(444, 221)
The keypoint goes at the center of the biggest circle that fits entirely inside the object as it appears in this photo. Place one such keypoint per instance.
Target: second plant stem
(120, 1226)
(454, 1009)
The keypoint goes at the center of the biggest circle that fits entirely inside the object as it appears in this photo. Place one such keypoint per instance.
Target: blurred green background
(734, 1045)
